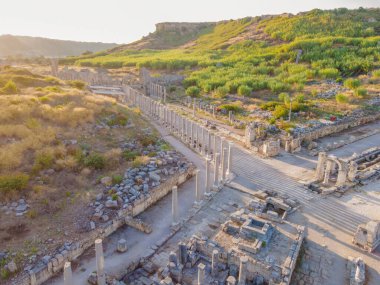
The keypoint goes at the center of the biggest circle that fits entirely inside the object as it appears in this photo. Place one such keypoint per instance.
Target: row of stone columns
(197, 136)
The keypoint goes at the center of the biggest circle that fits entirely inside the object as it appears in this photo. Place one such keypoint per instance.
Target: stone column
(216, 171)
(230, 116)
(175, 205)
(229, 160)
(198, 196)
(319, 173)
(201, 273)
(243, 270)
(342, 177)
(194, 107)
(214, 263)
(207, 184)
(224, 166)
(192, 134)
(208, 142)
(182, 252)
(328, 169)
(100, 262)
(67, 274)
(214, 151)
(221, 149)
(231, 280)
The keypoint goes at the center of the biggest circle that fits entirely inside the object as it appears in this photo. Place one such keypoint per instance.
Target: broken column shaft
(100, 262)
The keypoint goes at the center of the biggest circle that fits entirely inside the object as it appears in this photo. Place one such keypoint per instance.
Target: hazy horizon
(118, 21)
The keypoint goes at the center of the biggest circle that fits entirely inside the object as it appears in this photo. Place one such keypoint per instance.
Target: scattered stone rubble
(137, 184)
(19, 208)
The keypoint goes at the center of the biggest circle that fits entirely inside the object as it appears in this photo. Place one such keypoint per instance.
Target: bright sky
(123, 21)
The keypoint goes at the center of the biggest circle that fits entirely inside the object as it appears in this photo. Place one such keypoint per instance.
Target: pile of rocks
(136, 184)
(19, 208)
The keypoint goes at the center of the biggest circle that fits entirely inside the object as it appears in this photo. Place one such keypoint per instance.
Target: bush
(139, 161)
(193, 91)
(229, 107)
(329, 73)
(43, 160)
(376, 73)
(283, 97)
(341, 99)
(130, 155)
(360, 92)
(9, 88)
(117, 179)
(270, 106)
(13, 182)
(221, 92)
(118, 120)
(95, 161)
(112, 157)
(77, 84)
(352, 83)
(244, 90)
(300, 98)
(280, 112)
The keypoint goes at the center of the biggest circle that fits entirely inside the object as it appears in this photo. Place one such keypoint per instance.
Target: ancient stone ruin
(247, 249)
(338, 174)
(367, 236)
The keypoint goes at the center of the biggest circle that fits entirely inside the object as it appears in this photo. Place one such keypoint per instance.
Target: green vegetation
(13, 182)
(341, 98)
(95, 160)
(9, 88)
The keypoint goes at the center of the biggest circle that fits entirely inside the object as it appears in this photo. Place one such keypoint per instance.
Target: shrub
(360, 92)
(300, 98)
(283, 97)
(270, 106)
(118, 120)
(112, 157)
(244, 90)
(221, 92)
(146, 140)
(230, 107)
(280, 112)
(193, 91)
(139, 161)
(95, 161)
(329, 73)
(130, 155)
(13, 182)
(376, 73)
(9, 88)
(77, 84)
(43, 160)
(117, 179)
(341, 98)
(352, 83)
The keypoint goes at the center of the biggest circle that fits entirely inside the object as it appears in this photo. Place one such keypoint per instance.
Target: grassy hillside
(33, 47)
(256, 58)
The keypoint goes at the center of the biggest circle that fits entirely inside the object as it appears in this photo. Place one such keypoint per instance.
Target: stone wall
(43, 272)
(337, 127)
